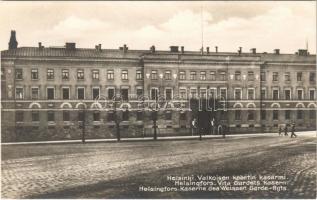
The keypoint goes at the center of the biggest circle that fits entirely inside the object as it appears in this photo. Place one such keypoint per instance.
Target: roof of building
(137, 54)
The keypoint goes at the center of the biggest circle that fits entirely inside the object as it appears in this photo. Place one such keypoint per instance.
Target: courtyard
(120, 169)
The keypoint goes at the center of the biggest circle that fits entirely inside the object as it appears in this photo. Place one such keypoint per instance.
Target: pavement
(305, 133)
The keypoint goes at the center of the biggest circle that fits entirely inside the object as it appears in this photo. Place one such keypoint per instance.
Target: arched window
(300, 112)
(251, 111)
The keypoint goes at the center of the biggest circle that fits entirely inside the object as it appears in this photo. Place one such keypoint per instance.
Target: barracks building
(53, 93)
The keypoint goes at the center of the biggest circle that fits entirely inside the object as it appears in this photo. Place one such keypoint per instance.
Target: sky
(229, 25)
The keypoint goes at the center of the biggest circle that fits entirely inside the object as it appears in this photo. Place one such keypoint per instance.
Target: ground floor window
(312, 114)
(35, 116)
(19, 116)
(168, 115)
(66, 116)
(251, 115)
(263, 114)
(139, 116)
(50, 116)
(275, 114)
(300, 114)
(237, 115)
(287, 114)
(96, 116)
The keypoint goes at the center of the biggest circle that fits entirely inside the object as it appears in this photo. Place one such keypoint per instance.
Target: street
(117, 170)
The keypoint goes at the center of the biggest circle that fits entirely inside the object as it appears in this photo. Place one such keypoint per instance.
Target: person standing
(293, 131)
(280, 131)
(212, 124)
(285, 131)
(194, 125)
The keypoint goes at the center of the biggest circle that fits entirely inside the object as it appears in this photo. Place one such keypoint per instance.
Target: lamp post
(83, 139)
(116, 120)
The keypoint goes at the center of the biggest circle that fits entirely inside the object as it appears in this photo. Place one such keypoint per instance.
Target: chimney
(98, 47)
(240, 50)
(253, 50)
(40, 45)
(182, 49)
(276, 51)
(70, 45)
(207, 49)
(13, 44)
(216, 47)
(302, 52)
(174, 48)
(125, 48)
(152, 48)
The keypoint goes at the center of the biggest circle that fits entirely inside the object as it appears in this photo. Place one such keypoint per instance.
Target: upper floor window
(287, 94)
(182, 75)
(202, 75)
(300, 94)
(223, 76)
(275, 94)
(312, 76)
(212, 76)
(80, 93)
(95, 74)
(50, 74)
(311, 94)
(50, 93)
(168, 75)
(192, 75)
(237, 94)
(35, 116)
(65, 93)
(110, 74)
(35, 92)
(80, 74)
(263, 93)
(124, 74)
(262, 76)
(275, 76)
(237, 75)
(19, 94)
(139, 75)
(299, 76)
(18, 74)
(154, 74)
(50, 116)
(34, 74)
(251, 94)
(250, 76)
(287, 76)
(19, 116)
(65, 74)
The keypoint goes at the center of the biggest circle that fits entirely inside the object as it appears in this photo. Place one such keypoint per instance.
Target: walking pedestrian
(285, 130)
(280, 131)
(194, 126)
(212, 124)
(293, 131)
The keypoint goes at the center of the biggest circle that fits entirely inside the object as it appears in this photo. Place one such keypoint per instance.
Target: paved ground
(116, 170)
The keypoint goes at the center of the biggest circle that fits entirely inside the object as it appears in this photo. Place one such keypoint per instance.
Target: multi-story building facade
(56, 92)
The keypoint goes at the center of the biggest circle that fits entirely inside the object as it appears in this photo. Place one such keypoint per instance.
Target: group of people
(280, 130)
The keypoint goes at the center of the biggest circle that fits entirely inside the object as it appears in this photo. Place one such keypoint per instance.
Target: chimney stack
(207, 49)
(70, 45)
(13, 43)
(152, 48)
(41, 46)
(277, 51)
(302, 52)
(240, 50)
(253, 50)
(182, 49)
(98, 47)
(216, 47)
(174, 48)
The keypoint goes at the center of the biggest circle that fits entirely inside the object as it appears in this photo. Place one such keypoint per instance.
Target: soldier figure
(285, 130)
(293, 131)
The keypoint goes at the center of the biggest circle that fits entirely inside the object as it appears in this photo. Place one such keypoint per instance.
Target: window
(223, 93)
(182, 93)
(311, 94)
(80, 74)
(193, 93)
(287, 114)
(35, 116)
(212, 93)
(263, 76)
(139, 116)
(300, 114)
(263, 114)
(154, 74)
(250, 76)
(182, 116)
(19, 116)
(95, 93)
(66, 116)
(18, 74)
(202, 75)
(81, 116)
(312, 76)
(287, 94)
(111, 93)
(50, 116)
(203, 93)
(95, 74)
(168, 94)
(182, 75)
(34, 74)
(192, 75)
(275, 114)
(251, 94)
(65, 74)
(34, 92)
(124, 74)
(167, 75)
(139, 75)
(154, 93)
(110, 74)
(237, 94)
(299, 94)
(139, 92)
(19, 93)
(168, 115)
(96, 116)
(80, 93)
(125, 94)
(237, 115)
(223, 76)
(275, 76)
(65, 93)
(50, 93)
(287, 76)
(250, 114)
(125, 115)
(50, 74)
(263, 93)
(237, 75)
(111, 116)
(275, 94)
(312, 114)
(212, 76)
(299, 76)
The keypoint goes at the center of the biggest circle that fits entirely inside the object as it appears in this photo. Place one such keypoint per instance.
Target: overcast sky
(263, 25)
